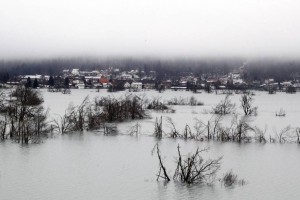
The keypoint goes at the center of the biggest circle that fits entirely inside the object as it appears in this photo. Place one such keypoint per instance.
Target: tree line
(256, 69)
(24, 119)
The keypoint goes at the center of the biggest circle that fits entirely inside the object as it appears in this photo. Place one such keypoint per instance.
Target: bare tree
(173, 133)
(284, 134)
(162, 173)
(135, 129)
(64, 124)
(260, 134)
(199, 128)
(194, 169)
(242, 127)
(128, 107)
(224, 107)
(211, 128)
(24, 115)
(216, 125)
(231, 179)
(79, 116)
(202, 128)
(192, 101)
(187, 132)
(246, 104)
(158, 132)
(157, 105)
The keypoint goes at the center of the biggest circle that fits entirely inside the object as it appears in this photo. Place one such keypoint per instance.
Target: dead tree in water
(94, 117)
(224, 107)
(162, 173)
(130, 107)
(260, 134)
(283, 136)
(198, 129)
(100, 113)
(135, 129)
(211, 128)
(158, 132)
(231, 179)
(241, 129)
(194, 169)
(246, 104)
(157, 105)
(202, 129)
(174, 133)
(25, 118)
(216, 124)
(79, 115)
(187, 133)
(64, 124)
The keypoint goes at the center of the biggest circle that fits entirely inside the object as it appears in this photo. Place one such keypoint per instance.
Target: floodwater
(93, 166)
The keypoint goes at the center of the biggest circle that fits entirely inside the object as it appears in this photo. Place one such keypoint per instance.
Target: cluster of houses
(136, 80)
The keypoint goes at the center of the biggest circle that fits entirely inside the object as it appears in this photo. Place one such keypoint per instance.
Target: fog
(168, 28)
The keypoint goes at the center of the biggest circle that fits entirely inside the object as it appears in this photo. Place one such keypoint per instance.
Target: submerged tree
(230, 179)
(246, 104)
(64, 124)
(100, 113)
(24, 115)
(194, 169)
(173, 133)
(191, 169)
(128, 107)
(162, 173)
(224, 107)
(242, 127)
(158, 132)
(260, 134)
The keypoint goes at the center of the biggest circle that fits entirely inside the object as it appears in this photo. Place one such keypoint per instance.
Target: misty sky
(181, 28)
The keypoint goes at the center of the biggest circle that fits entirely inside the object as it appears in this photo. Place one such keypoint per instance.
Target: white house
(126, 77)
(75, 71)
(136, 86)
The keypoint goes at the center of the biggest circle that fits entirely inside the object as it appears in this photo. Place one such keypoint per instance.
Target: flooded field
(90, 165)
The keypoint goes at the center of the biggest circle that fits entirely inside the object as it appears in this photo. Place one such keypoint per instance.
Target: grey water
(90, 165)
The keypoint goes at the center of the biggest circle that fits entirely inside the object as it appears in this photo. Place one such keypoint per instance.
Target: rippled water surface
(93, 166)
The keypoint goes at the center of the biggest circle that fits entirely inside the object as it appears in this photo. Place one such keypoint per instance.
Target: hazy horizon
(167, 29)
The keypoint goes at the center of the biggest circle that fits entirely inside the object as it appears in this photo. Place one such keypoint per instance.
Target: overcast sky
(179, 28)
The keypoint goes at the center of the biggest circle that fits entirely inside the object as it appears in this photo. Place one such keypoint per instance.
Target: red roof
(104, 80)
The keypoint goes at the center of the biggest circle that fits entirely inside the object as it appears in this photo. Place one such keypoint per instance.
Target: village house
(137, 86)
(148, 84)
(104, 82)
